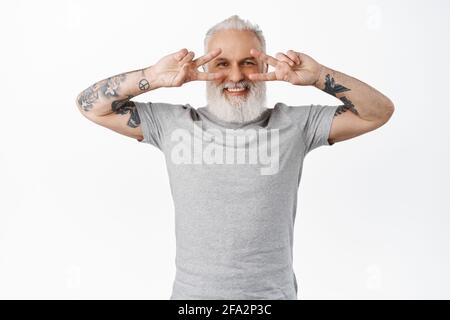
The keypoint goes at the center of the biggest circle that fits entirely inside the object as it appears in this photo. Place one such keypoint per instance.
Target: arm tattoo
(108, 88)
(348, 105)
(87, 98)
(112, 84)
(143, 83)
(333, 88)
(124, 106)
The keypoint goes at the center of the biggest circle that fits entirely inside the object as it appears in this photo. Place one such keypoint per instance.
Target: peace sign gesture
(178, 68)
(294, 67)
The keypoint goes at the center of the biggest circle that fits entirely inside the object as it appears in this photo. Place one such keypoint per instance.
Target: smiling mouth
(236, 91)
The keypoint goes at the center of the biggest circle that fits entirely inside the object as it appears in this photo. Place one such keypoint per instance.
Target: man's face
(235, 97)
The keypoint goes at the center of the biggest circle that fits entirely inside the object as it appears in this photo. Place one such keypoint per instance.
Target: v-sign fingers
(271, 76)
(207, 76)
(207, 57)
(264, 57)
(282, 57)
(294, 56)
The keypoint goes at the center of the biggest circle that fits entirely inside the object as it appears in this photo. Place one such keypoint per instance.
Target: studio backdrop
(86, 213)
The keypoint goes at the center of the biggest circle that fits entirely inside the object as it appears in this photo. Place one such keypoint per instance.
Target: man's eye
(247, 62)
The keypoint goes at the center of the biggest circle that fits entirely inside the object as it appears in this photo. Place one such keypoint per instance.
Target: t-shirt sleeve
(317, 125)
(154, 117)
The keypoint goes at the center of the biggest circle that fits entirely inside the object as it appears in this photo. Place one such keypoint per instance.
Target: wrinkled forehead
(235, 44)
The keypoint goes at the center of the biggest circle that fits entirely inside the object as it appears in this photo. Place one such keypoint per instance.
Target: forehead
(234, 43)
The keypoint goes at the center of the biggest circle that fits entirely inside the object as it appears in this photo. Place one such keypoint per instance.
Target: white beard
(236, 109)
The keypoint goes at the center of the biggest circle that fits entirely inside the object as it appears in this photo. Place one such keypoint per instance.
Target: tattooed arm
(364, 108)
(107, 102)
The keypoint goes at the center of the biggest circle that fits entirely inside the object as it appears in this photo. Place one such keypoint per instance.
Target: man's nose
(235, 74)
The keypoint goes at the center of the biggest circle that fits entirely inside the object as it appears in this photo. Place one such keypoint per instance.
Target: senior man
(235, 165)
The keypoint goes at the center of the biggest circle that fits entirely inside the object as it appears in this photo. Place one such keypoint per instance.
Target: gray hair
(236, 23)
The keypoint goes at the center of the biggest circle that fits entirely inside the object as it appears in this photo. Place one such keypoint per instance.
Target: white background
(87, 213)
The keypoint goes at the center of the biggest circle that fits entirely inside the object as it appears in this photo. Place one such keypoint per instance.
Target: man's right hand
(178, 68)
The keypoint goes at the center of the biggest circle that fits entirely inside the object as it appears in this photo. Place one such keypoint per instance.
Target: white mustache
(240, 85)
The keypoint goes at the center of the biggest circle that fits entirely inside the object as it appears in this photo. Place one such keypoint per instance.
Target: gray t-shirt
(234, 188)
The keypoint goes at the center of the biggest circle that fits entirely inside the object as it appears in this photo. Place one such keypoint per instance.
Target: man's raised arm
(105, 96)
(364, 108)
(108, 103)
(367, 108)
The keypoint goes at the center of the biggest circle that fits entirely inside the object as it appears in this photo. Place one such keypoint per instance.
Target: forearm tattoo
(143, 83)
(87, 98)
(333, 88)
(111, 85)
(109, 88)
(124, 106)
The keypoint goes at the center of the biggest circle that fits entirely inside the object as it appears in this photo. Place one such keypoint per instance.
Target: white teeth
(236, 90)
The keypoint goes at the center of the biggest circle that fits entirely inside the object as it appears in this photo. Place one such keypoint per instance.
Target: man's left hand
(294, 67)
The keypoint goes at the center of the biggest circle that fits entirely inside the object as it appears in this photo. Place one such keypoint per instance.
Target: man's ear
(266, 68)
